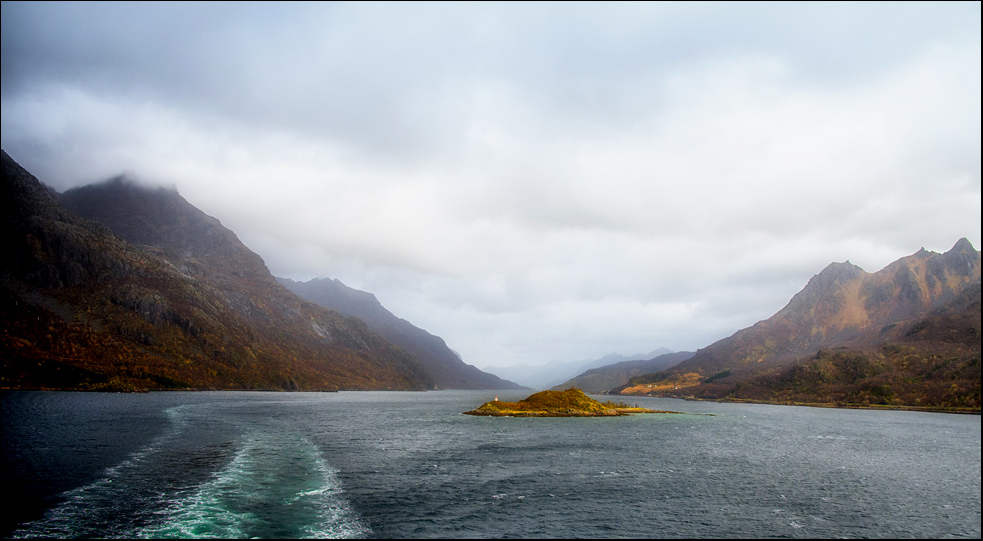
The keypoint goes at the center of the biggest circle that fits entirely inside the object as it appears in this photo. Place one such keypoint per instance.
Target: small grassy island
(569, 403)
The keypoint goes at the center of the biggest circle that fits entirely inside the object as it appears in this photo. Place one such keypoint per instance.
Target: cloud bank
(528, 181)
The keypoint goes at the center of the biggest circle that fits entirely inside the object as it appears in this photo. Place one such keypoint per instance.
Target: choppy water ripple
(276, 486)
(408, 465)
(211, 476)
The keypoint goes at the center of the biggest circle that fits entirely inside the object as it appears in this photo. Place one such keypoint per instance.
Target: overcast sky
(531, 182)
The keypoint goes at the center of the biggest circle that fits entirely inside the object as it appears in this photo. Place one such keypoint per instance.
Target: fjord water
(390, 465)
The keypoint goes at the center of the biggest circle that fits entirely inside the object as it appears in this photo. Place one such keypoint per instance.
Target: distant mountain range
(447, 368)
(598, 380)
(554, 373)
(116, 286)
(908, 335)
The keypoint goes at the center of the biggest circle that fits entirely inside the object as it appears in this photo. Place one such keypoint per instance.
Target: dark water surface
(378, 464)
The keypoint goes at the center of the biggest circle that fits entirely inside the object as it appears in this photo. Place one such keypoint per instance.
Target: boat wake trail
(275, 487)
(209, 481)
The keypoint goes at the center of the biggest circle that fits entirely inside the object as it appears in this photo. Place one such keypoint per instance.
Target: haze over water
(378, 464)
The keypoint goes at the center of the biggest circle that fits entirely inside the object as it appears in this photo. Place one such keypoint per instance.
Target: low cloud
(528, 182)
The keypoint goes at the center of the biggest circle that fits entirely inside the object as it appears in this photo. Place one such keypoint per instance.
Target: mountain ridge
(603, 378)
(842, 309)
(448, 370)
(84, 309)
(554, 373)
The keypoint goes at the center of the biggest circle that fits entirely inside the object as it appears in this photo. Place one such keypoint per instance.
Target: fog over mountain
(152, 293)
(527, 181)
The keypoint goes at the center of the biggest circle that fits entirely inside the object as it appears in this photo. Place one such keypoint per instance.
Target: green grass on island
(569, 403)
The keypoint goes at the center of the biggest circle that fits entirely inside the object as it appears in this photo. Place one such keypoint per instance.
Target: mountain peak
(836, 274)
(158, 216)
(962, 246)
(962, 259)
(128, 181)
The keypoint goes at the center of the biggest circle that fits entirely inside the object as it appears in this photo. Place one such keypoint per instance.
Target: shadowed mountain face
(161, 218)
(160, 295)
(449, 371)
(922, 304)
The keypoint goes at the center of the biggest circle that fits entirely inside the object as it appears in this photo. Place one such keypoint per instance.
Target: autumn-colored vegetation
(568, 403)
(907, 336)
(930, 363)
(83, 309)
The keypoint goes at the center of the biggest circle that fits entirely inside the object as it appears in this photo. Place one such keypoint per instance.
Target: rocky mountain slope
(167, 301)
(448, 370)
(906, 319)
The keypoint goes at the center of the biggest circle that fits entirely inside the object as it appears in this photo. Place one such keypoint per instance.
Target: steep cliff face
(163, 296)
(449, 371)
